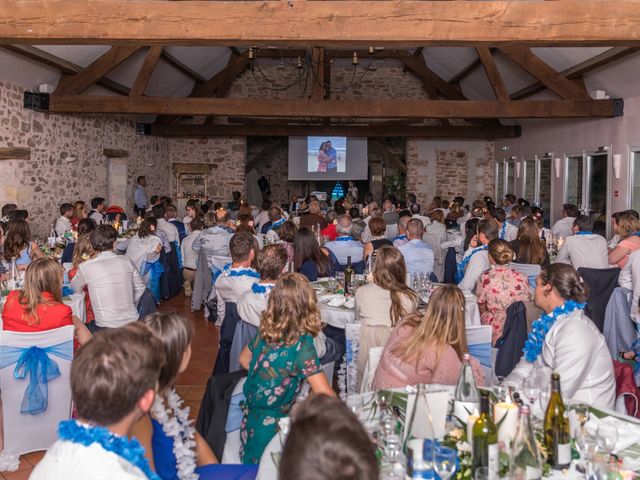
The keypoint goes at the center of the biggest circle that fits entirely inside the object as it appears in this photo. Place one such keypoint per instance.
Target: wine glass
(392, 451)
(445, 462)
(582, 412)
(531, 390)
(500, 388)
(607, 436)
(586, 444)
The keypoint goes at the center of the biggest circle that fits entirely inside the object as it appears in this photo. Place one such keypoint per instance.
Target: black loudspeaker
(36, 101)
(143, 129)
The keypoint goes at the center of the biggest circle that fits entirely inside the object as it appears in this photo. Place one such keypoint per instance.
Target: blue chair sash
(36, 363)
(481, 352)
(178, 250)
(155, 271)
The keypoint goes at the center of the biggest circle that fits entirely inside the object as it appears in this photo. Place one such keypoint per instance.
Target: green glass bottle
(348, 276)
(556, 428)
(485, 440)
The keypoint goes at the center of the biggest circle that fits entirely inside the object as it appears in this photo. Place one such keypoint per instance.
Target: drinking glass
(392, 452)
(586, 444)
(582, 412)
(445, 462)
(607, 437)
(500, 388)
(531, 390)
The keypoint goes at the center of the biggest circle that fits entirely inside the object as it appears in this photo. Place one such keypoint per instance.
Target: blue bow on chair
(41, 369)
(481, 352)
(157, 269)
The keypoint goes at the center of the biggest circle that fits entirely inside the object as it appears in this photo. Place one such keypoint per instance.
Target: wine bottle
(348, 276)
(525, 462)
(485, 440)
(556, 428)
(466, 399)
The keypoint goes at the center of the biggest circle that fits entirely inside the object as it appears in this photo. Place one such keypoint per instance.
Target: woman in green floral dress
(278, 360)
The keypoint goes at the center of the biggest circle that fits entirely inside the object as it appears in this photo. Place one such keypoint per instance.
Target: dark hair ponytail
(566, 280)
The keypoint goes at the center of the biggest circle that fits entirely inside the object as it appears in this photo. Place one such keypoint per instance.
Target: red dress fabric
(626, 385)
(49, 315)
(330, 232)
(87, 300)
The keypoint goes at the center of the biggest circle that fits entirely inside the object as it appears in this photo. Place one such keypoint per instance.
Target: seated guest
(499, 287)
(627, 230)
(18, 246)
(114, 379)
(286, 234)
(418, 256)
(245, 224)
(214, 241)
(84, 227)
(436, 225)
(508, 202)
(193, 211)
(7, 209)
(114, 283)
(97, 208)
(584, 248)
(39, 306)
(82, 252)
(165, 230)
(19, 215)
(475, 260)
(429, 349)
(276, 219)
(564, 226)
(564, 340)
(314, 217)
(189, 255)
(354, 213)
(63, 223)
(327, 441)
(528, 248)
(377, 228)
(506, 231)
(414, 208)
(470, 234)
(455, 213)
(235, 203)
(166, 430)
(309, 259)
(389, 213)
(344, 245)
(401, 238)
(330, 231)
(383, 303)
(278, 360)
(170, 214)
(144, 252)
(357, 229)
(263, 216)
(515, 217)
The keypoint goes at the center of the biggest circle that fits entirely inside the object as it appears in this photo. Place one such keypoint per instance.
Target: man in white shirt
(168, 230)
(416, 213)
(417, 255)
(262, 218)
(476, 257)
(506, 231)
(63, 224)
(344, 245)
(584, 248)
(189, 255)
(215, 240)
(109, 401)
(140, 196)
(564, 226)
(401, 238)
(97, 207)
(114, 283)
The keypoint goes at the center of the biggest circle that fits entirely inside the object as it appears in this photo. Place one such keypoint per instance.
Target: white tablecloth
(76, 302)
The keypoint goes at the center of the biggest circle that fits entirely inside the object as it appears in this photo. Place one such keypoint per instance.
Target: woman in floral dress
(499, 287)
(279, 360)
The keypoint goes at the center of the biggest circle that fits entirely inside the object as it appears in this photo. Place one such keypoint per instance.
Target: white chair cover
(23, 432)
(435, 240)
(531, 271)
(231, 452)
(375, 355)
(391, 232)
(352, 336)
(479, 344)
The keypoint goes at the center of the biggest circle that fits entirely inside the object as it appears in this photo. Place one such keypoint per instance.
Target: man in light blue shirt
(140, 196)
(417, 255)
(214, 241)
(345, 246)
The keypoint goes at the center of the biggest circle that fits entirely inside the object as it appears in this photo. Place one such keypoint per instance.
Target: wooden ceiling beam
(577, 71)
(329, 23)
(556, 82)
(234, 67)
(144, 75)
(185, 69)
(336, 108)
(284, 130)
(467, 70)
(495, 79)
(64, 66)
(79, 82)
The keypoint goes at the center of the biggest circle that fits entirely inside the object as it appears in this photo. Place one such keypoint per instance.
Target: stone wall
(47, 179)
(450, 168)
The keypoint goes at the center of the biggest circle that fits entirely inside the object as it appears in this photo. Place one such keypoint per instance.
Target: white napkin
(332, 299)
(628, 433)
(350, 303)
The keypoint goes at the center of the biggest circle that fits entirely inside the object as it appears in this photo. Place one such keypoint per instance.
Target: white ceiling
(619, 80)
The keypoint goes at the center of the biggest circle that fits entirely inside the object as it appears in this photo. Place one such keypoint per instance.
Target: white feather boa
(176, 425)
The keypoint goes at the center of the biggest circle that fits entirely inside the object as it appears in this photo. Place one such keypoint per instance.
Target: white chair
(231, 452)
(26, 432)
(375, 355)
(529, 270)
(352, 338)
(479, 344)
(435, 240)
(391, 232)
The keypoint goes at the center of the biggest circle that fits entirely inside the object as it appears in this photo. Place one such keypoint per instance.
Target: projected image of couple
(326, 154)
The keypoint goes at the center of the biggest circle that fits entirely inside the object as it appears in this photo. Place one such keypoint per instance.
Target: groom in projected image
(330, 152)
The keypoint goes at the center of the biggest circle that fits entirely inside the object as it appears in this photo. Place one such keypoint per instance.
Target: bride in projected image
(323, 158)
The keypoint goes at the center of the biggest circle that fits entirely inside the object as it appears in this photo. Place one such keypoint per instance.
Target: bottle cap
(555, 376)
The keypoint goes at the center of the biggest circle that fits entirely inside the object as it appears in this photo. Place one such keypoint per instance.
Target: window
(543, 186)
(511, 174)
(499, 181)
(573, 179)
(530, 180)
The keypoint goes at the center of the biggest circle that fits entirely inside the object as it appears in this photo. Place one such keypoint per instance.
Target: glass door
(544, 181)
(574, 172)
(597, 191)
(635, 178)
(499, 181)
(530, 179)
(511, 177)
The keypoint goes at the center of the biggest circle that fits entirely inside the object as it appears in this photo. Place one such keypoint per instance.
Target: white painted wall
(563, 137)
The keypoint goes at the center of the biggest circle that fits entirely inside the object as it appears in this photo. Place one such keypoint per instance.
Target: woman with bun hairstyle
(499, 287)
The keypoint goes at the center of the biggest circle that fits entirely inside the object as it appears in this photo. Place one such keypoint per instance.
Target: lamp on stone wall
(556, 166)
(617, 164)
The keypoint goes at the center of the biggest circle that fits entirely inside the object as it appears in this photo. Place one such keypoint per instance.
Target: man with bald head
(417, 255)
(344, 245)
(214, 241)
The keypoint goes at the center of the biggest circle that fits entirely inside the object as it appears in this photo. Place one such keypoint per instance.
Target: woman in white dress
(564, 340)
(144, 252)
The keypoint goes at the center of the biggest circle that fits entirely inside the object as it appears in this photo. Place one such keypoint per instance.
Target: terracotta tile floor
(190, 384)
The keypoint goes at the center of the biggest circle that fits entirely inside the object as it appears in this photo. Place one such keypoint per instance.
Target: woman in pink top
(627, 227)
(428, 350)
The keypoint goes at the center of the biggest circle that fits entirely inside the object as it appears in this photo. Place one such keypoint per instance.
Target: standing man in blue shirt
(140, 196)
(332, 166)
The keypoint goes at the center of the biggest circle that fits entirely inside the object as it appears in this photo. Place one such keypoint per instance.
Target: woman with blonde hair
(280, 358)
(383, 303)
(628, 231)
(499, 287)
(38, 307)
(428, 349)
(82, 252)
